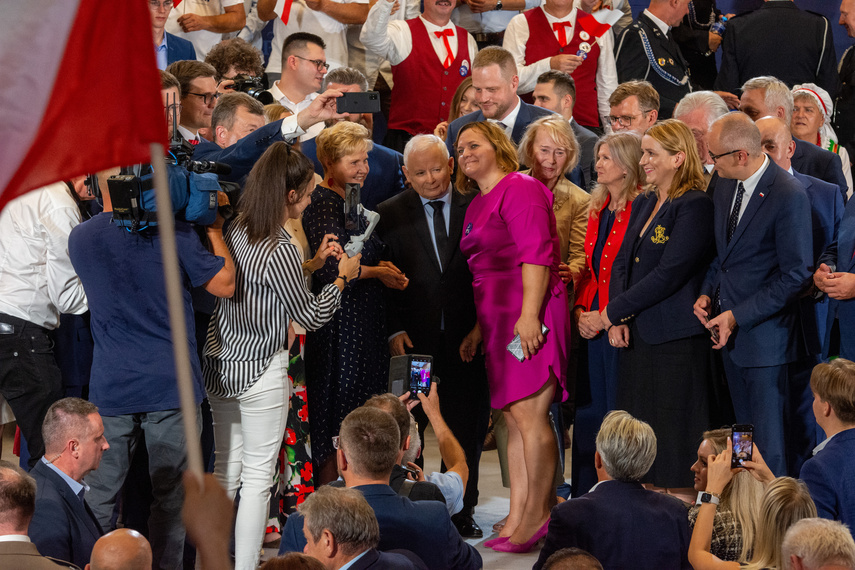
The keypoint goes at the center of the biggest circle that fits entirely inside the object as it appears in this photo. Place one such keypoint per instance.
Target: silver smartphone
(515, 347)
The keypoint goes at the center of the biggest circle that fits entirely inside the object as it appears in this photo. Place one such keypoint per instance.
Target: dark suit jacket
(764, 268)
(656, 279)
(397, 560)
(423, 527)
(587, 161)
(385, 177)
(528, 114)
(622, 525)
(752, 47)
(25, 556)
(632, 62)
(840, 254)
(178, 49)
(692, 35)
(830, 477)
(63, 527)
(242, 155)
(812, 160)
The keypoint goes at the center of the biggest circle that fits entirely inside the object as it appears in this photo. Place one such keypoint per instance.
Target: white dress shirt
(750, 184)
(392, 40)
(516, 38)
(487, 22)
(665, 28)
(37, 281)
(511, 119)
(295, 108)
(202, 40)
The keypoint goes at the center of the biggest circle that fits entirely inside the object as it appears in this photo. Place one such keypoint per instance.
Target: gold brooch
(659, 235)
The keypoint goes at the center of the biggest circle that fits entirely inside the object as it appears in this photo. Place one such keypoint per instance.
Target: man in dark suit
(763, 240)
(341, 529)
(167, 47)
(698, 110)
(17, 503)
(63, 525)
(752, 47)
(619, 522)
(844, 105)
(830, 473)
(647, 51)
(421, 228)
(698, 43)
(369, 443)
(494, 77)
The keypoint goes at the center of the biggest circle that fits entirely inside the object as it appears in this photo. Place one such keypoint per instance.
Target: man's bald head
(122, 549)
(777, 140)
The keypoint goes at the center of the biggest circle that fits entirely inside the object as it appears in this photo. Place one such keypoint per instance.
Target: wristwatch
(704, 497)
(498, 5)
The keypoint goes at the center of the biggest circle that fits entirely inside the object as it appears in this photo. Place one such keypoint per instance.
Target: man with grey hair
(818, 544)
(698, 110)
(767, 96)
(619, 522)
(63, 525)
(763, 264)
(235, 116)
(421, 228)
(341, 530)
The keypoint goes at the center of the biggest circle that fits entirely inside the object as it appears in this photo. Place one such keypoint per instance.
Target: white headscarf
(828, 138)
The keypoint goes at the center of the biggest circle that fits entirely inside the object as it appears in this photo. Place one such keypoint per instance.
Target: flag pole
(175, 300)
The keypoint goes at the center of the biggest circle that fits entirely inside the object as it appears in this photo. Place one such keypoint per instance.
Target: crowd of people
(582, 219)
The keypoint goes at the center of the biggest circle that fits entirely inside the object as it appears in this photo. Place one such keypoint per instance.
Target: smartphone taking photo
(742, 436)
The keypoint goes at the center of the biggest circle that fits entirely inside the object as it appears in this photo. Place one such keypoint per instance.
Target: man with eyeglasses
(203, 22)
(168, 48)
(749, 298)
(198, 97)
(304, 65)
(633, 106)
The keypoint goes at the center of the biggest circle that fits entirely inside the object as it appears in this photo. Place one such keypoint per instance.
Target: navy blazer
(423, 527)
(656, 277)
(623, 525)
(527, 115)
(385, 177)
(395, 560)
(242, 155)
(63, 526)
(840, 254)
(764, 268)
(830, 478)
(812, 160)
(178, 49)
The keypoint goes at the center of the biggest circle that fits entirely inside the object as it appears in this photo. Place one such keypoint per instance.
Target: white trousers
(248, 433)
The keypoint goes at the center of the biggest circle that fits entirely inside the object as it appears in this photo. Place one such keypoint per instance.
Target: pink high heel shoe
(493, 542)
(514, 548)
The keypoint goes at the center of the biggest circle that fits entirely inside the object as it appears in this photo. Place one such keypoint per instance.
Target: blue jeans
(167, 460)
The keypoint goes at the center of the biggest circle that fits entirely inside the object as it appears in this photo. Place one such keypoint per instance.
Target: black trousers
(30, 380)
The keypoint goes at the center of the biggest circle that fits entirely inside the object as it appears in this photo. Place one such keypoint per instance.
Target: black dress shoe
(466, 526)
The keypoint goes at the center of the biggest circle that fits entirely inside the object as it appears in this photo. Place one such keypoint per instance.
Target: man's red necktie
(558, 27)
(445, 34)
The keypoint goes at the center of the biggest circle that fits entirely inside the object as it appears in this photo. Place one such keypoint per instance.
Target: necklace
(493, 185)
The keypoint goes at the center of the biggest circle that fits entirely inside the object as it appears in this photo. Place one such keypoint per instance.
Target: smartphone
(515, 346)
(358, 102)
(742, 436)
(420, 379)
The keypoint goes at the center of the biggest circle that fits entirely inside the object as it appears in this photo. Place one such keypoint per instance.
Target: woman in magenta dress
(510, 239)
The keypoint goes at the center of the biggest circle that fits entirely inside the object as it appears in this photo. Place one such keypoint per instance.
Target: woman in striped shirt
(246, 353)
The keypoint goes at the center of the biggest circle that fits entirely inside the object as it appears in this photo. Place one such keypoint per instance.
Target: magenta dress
(514, 224)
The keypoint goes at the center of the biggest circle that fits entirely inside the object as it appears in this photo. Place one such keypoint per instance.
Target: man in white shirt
(487, 20)
(205, 22)
(553, 37)
(37, 283)
(430, 57)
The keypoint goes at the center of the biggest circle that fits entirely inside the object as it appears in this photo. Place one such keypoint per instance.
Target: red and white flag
(80, 90)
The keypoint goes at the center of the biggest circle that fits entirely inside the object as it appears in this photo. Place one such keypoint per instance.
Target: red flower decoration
(306, 472)
(290, 437)
(303, 414)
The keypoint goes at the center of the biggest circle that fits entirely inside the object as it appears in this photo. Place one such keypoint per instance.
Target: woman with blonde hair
(785, 502)
(664, 370)
(511, 242)
(620, 179)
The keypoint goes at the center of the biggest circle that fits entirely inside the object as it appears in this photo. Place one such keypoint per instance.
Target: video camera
(254, 87)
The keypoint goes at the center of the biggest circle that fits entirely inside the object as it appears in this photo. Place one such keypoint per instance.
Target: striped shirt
(250, 327)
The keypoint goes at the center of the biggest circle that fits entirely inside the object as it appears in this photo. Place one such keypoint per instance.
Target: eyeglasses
(715, 157)
(205, 96)
(335, 441)
(166, 4)
(320, 64)
(625, 120)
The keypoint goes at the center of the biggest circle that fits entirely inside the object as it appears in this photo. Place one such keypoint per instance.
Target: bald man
(122, 549)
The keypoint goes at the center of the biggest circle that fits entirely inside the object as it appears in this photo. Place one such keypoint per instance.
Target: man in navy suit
(369, 444)
(167, 47)
(830, 473)
(63, 525)
(748, 299)
(385, 178)
(341, 529)
(495, 79)
(619, 522)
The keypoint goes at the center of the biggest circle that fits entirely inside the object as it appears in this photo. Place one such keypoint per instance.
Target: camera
(253, 87)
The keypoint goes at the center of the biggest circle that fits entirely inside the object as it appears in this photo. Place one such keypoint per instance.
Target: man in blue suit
(619, 522)
(495, 79)
(748, 299)
(167, 47)
(836, 278)
(385, 177)
(63, 525)
(369, 447)
(830, 474)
